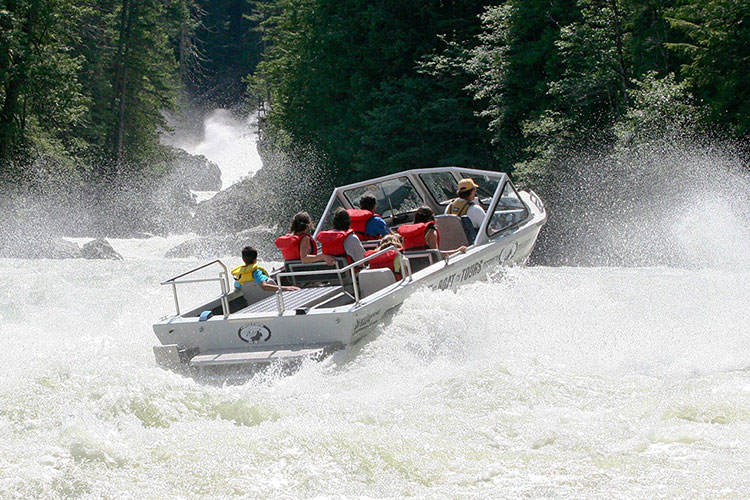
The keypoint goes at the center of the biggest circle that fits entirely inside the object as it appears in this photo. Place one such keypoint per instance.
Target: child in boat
(252, 273)
(423, 234)
(389, 259)
(298, 243)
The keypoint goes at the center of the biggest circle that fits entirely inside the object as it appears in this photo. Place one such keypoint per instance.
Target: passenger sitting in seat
(390, 259)
(423, 234)
(252, 273)
(298, 244)
(464, 204)
(366, 223)
(341, 241)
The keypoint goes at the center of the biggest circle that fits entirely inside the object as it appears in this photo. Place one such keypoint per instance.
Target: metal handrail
(223, 280)
(351, 268)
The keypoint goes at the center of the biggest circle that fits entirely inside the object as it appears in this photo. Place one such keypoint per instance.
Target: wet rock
(196, 171)
(99, 249)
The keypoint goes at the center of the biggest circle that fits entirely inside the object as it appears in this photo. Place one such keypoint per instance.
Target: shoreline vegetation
(560, 94)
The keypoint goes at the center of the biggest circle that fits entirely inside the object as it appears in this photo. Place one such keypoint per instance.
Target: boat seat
(298, 266)
(452, 234)
(297, 299)
(253, 292)
(419, 259)
(372, 280)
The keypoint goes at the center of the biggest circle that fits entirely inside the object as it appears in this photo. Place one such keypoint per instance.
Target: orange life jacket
(359, 221)
(332, 242)
(414, 235)
(384, 261)
(289, 245)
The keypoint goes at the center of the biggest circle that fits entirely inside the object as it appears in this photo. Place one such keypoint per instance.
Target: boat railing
(223, 280)
(351, 268)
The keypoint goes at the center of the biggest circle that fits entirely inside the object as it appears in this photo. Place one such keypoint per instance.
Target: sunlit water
(541, 383)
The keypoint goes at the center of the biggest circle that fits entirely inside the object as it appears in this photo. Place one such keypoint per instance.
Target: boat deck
(298, 299)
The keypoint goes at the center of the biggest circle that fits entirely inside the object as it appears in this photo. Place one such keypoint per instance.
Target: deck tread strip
(304, 297)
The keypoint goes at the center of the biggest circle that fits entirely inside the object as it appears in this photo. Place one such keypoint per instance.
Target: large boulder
(210, 247)
(195, 171)
(99, 249)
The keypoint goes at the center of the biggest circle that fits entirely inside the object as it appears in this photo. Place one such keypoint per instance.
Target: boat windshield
(487, 186)
(442, 186)
(394, 196)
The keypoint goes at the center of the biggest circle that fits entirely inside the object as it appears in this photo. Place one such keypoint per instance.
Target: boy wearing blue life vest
(251, 272)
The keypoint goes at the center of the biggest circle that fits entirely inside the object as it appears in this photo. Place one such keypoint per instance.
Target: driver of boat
(464, 204)
(366, 223)
(251, 273)
(341, 240)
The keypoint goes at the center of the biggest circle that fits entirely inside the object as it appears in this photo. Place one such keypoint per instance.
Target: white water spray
(228, 141)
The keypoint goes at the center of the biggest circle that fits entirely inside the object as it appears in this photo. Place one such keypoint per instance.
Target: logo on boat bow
(254, 333)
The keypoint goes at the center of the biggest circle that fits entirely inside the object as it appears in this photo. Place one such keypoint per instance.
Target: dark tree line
(84, 85)
(372, 87)
(507, 84)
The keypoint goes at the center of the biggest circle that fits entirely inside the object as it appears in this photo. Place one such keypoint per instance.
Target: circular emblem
(508, 252)
(254, 333)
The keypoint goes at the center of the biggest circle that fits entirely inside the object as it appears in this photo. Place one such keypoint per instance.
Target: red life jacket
(289, 245)
(359, 221)
(384, 261)
(414, 235)
(333, 242)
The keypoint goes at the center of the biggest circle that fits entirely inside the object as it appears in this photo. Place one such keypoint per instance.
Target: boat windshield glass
(487, 186)
(442, 186)
(395, 196)
(508, 211)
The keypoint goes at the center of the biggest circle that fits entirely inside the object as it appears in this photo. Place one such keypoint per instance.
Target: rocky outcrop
(209, 247)
(195, 171)
(99, 249)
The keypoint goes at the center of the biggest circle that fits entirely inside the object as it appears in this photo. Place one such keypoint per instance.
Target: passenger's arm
(306, 256)
(461, 249)
(431, 238)
(270, 285)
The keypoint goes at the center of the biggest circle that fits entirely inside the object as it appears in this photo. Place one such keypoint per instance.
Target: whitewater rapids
(539, 383)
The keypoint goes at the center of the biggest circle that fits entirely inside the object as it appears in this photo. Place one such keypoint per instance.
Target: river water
(539, 383)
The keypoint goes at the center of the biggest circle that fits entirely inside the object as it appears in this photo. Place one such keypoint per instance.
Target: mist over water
(628, 379)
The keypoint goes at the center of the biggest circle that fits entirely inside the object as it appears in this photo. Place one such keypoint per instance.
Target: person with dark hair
(366, 223)
(341, 240)
(252, 274)
(423, 234)
(298, 243)
(464, 204)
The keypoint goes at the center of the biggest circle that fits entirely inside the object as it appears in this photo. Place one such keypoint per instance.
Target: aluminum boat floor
(305, 297)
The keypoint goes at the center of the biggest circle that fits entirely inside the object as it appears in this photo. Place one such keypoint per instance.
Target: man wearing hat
(464, 204)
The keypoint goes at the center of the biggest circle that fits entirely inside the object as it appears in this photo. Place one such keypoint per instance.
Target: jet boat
(337, 305)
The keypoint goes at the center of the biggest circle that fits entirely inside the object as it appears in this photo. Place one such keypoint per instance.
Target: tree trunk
(120, 83)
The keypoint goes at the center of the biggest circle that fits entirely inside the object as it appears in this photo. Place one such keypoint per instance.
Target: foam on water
(543, 382)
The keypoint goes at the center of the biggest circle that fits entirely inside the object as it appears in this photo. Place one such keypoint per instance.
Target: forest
(370, 87)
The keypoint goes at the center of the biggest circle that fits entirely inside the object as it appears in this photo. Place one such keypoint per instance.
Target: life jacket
(289, 245)
(384, 261)
(414, 235)
(459, 206)
(359, 222)
(332, 242)
(244, 274)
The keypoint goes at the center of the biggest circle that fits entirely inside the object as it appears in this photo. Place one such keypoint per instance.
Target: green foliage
(717, 58)
(345, 78)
